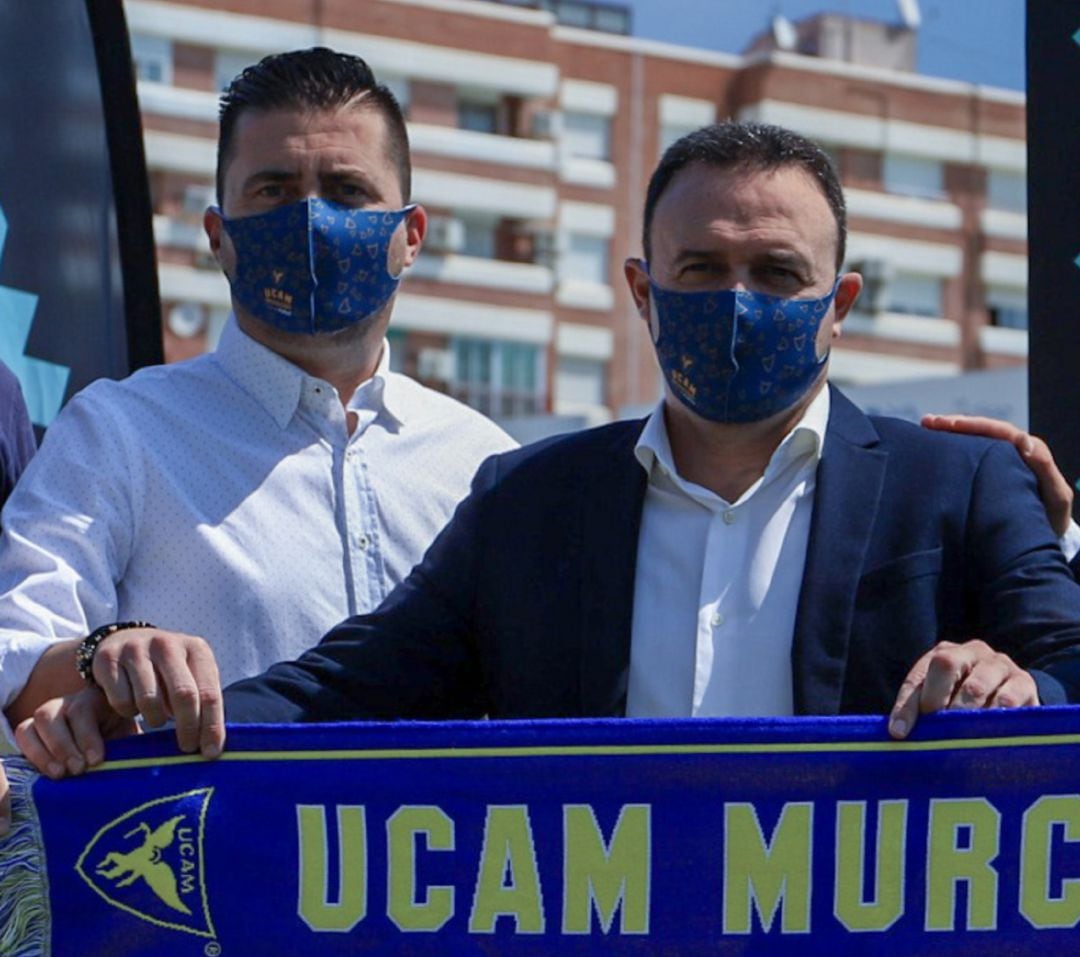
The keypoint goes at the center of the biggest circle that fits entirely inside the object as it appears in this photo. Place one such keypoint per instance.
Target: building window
(590, 14)
(671, 132)
(612, 20)
(914, 295)
(229, 65)
(152, 57)
(1007, 307)
(579, 382)
(585, 259)
(498, 378)
(478, 117)
(913, 176)
(586, 135)
(478, 238)
(1006, 190)
(573, 14)
(399, 86)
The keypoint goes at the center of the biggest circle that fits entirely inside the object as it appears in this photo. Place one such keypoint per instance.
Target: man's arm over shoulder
(1028, 602)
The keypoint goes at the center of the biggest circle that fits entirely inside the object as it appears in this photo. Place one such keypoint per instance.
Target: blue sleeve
(1029, 605)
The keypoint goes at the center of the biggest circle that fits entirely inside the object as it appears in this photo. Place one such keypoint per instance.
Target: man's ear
(416, 223)
(637, 278)
(215, 229)
(846, 293)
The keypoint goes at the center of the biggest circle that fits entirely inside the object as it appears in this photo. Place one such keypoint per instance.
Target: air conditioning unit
(444, 235)
(197, 196)
(435, 364)
(877, 274)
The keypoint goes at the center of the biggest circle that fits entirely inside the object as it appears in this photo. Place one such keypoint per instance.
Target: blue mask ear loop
(831, 300)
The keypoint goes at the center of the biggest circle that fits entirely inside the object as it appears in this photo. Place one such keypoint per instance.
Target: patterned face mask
(314, 266)
(735, 356)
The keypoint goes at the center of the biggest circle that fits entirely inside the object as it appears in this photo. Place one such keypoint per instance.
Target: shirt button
(717, 620)
(729, 517)
(363, 541)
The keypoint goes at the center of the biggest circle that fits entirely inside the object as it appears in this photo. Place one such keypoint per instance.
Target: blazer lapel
(850, 477)
(611, 498)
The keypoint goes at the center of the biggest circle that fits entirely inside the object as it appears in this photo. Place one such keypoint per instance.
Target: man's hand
(67, 735)
(971, 675)
(1056, 493)
(163, 675)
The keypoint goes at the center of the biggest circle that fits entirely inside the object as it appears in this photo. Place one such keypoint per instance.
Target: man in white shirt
(258, 495)
(758, 546)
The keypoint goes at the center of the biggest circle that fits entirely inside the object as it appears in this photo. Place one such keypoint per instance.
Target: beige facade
(533, 143)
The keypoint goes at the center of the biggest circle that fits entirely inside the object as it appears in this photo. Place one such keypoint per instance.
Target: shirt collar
(277, 384)
(806, 439)
(391, 392)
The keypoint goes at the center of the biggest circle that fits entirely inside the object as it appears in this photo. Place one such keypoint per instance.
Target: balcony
(487, 273)
(482, 147)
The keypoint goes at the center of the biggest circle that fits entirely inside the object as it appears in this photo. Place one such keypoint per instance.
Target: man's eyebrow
(786, 257)
(692, 254)
(268, 176)
(347, 172)
(783, 255)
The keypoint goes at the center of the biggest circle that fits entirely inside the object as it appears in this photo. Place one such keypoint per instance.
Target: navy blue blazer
(522, 607)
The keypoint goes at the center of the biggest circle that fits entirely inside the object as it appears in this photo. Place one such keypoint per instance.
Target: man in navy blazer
(522, 607)
(756, 546)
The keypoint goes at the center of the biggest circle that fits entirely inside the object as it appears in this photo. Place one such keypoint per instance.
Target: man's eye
(779, 275)
(270, 191)
(350, 191)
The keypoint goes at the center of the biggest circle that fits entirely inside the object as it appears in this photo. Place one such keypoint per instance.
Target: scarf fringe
(25, 920)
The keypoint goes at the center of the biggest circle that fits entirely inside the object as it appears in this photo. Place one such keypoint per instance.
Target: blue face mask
(735, 356)
(314, 266)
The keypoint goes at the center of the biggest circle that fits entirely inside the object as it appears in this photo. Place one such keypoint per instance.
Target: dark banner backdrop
(1053, 122)
(78, 282)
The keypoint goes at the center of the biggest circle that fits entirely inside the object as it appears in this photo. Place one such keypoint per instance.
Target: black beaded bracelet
(84, 654)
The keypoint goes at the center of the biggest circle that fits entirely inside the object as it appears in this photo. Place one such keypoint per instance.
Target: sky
(980, 41)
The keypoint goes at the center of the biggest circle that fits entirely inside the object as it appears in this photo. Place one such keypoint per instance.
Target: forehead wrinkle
(782, 208)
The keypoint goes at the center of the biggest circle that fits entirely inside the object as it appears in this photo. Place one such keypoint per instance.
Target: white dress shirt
(717, 582)
(224, 497)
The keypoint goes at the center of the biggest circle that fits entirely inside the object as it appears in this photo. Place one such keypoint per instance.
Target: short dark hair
(315, 79)
(753, 147)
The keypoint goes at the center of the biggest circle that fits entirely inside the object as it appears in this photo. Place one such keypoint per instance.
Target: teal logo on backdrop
(43, 383)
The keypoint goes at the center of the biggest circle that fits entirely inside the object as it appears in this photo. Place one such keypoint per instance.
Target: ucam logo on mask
(314, 266)
(738, 356)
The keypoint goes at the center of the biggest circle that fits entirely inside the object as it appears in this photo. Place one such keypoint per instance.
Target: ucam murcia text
(771, 876)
